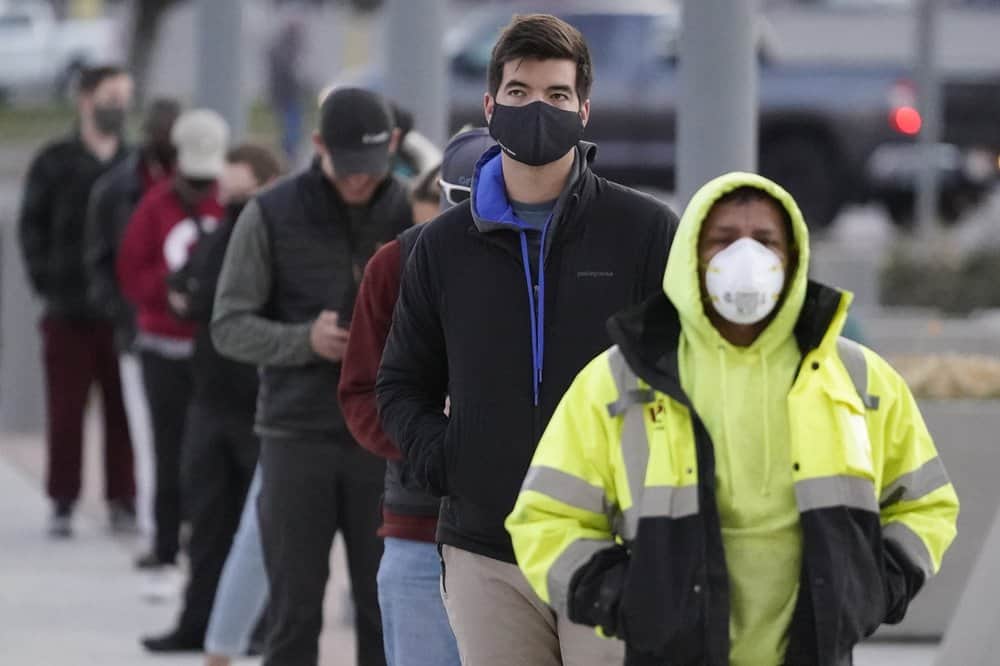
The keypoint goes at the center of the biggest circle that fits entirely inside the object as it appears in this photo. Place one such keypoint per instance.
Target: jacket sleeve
(35, 221)
(239, 330)
(141, 273)
(369, 329)
(560, 526)
(99, 246)
(413, 378)
(918, 503)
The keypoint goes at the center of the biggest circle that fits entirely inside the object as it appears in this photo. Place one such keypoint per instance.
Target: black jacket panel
(462, 328)
(52, 223)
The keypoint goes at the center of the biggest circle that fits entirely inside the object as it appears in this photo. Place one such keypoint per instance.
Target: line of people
(590, 433)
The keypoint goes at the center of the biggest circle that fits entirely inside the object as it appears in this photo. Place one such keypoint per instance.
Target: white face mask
(744, 281)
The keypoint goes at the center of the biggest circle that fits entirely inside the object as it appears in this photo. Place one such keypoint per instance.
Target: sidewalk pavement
(77, 602)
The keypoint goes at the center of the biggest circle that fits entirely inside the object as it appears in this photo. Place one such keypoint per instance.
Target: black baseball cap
(356, 127)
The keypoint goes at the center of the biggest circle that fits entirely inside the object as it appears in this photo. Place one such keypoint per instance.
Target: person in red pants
(78, 341)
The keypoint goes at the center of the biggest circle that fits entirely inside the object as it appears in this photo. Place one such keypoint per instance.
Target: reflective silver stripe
(665, 502)
(565, 488)
(853, 358)
(830, 491)
(566, 565)
(912, 546)
(631, 397)
(635, 444)
(924, 480)
(627, 383)
(669, 501)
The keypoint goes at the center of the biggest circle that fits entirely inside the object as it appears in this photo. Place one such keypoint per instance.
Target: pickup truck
(39, 53)
(831, 134)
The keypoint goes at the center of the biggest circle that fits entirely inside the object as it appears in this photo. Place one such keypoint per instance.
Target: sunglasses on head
(454, 194)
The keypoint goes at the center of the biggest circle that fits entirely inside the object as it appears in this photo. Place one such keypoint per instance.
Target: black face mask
(536, 133)
(109, 120)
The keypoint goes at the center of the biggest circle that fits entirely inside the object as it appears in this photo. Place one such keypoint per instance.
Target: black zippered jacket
(470, 324)
(113, 200)
(52, 223)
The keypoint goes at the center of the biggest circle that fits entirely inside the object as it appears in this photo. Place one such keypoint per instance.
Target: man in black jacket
(284, 299)
(503, 301)
(78, 339)
(114, 197)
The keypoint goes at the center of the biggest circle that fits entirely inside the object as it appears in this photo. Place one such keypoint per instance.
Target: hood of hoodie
(740, 393)
(491, 209)
(681, 280)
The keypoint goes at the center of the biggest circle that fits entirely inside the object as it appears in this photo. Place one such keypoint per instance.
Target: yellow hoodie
(741, 395)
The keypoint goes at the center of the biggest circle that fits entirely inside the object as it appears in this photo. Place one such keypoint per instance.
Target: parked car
(39, 53)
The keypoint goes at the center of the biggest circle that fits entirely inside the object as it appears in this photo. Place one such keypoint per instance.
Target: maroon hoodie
(157, 242)
(369, 329)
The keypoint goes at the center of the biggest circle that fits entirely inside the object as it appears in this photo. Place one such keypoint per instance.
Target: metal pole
(22, 386)
(972, 638)
(220, 60)
(929, 101)
(415, 64)
(717, 109)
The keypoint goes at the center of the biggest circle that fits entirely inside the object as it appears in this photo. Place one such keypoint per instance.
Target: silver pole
(22, 384)
(972, 636)
(220, 60)
(415, 63)
(929, 102)
(717, 109)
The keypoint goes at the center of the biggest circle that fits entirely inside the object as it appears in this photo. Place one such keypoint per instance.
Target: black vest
(319, 248)
(398, 498)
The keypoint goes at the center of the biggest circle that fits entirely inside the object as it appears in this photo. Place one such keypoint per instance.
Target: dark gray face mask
(536, 133)
(109, 120)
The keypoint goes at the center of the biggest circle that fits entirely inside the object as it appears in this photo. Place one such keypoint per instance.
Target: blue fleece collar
(491, 208)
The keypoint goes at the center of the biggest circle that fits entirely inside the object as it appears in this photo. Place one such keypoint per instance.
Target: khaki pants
(499, 621)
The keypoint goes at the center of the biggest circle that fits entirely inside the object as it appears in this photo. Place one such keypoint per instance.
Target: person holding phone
(285, 292)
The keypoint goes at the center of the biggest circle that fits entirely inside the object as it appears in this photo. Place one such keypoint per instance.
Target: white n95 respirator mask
(744, 281)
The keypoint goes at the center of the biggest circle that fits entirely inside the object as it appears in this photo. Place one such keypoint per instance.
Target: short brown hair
(91, 78)
(747, 193)
(541, 37)
(263, 163)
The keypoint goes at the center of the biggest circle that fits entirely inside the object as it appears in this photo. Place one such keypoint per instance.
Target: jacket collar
(649, 335)
(490, 206)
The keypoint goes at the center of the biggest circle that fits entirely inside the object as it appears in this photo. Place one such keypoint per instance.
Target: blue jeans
(242, 593)
(415, 627)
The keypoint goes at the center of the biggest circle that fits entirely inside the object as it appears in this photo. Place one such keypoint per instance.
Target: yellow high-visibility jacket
(617, 525)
